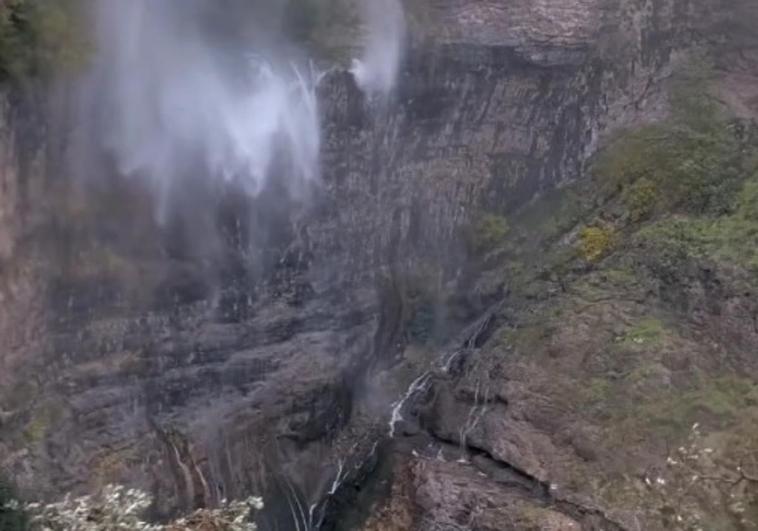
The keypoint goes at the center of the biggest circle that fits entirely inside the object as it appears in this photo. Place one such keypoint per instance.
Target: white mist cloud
(376, 71)
(175, 97)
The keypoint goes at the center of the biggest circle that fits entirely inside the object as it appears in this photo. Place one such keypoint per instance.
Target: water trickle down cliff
(249, 342)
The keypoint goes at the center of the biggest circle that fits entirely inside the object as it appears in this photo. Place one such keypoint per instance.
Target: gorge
(431, 264)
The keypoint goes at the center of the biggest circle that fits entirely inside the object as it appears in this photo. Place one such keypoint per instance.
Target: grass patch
(693, 163)
(620, 277)
(719, 402)
(646, 332)
(732, 238)
(640, 198)
(672, 167)
(527, 338)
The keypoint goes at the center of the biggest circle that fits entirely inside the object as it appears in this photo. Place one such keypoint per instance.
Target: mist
(188, 90)
(377, 70)
(188, 87)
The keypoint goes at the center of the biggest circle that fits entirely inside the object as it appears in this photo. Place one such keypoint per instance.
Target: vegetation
(647, 331)
(596, 242)
(486, 233)
(640, 198)
(718, 401)
(732, 238)
(684, 189)
(670, 223)
(38, 37)
(118, 508)
(675, 168)
(693, 163)
(698, 477)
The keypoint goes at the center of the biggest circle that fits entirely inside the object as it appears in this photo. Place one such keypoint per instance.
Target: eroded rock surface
(140, 361)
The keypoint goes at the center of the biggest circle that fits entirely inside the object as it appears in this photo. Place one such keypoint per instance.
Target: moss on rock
(38, 37)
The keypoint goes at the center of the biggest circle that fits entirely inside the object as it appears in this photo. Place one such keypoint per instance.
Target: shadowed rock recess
(525, 276)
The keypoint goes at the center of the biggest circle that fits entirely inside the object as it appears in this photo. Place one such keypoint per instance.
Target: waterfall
(181, 88)
(193, 86)
(377, 69)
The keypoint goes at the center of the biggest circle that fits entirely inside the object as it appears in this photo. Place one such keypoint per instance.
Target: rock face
(135, 359)
(21, 170)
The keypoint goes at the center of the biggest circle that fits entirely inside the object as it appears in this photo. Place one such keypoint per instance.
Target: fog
(186, 88)
(376, 71)
(200, 87)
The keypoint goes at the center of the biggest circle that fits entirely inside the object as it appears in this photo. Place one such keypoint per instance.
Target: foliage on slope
(631, 309)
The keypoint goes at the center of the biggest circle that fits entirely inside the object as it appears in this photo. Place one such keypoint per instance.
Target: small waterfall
(444, 365)
(472, 336)
(337, 478)
(418, 386)
(475, 415)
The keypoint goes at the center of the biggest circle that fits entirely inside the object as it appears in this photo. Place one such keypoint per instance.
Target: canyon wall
(186, 374)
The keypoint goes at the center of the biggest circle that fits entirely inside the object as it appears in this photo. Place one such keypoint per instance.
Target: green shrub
(693, 163)
(747, 201)
(688, 170)
(640, 198)
(648, 330)
(732, 238)
(596, 242)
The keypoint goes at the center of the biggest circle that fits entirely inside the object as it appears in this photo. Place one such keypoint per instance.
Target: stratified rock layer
(127, 362)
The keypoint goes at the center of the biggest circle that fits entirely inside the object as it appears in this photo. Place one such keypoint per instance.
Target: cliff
(140, 353)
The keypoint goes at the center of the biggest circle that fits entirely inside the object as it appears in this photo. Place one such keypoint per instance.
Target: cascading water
(376, 71)
(183, 92)
(181, 88)
(191, 86)
(444, 365)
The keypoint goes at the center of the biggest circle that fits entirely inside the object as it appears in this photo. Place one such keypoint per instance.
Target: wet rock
(192, 378)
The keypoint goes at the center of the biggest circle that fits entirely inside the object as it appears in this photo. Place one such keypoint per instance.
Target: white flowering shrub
(118, 509)
(230, 516)
(696, 480)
